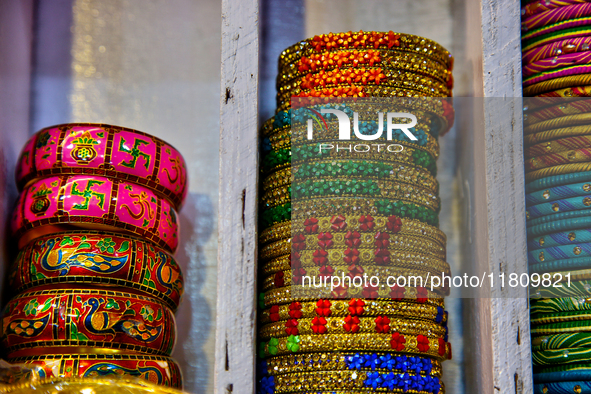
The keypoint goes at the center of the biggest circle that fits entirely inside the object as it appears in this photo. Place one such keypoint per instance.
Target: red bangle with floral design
(155, 369)
(435, 347)
(105, 150)
(53, 204)
(83, 321)
(97, 258)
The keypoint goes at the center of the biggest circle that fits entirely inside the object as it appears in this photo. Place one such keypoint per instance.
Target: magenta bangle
(104, 150)
(557, 48)
(54, 204)
(574, 70)
(559, 27)
(556, 15)
(536, 7)
(558, 62)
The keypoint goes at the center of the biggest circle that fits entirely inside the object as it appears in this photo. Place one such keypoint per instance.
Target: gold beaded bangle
(354, 239)
(437, 348)
(557, 170)
(312, 362)
(342, 308)
(553, 159)
(289, 294)
(553, 134)
(392, 42)
(556, 123)
(557, 146)
(398, 173)
(350, 325)
(310, 282)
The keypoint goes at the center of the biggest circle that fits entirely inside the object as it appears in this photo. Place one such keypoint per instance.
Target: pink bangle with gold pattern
(86, 321)
(155, 369)
(55, 204)
(97, 258)
(104, 150)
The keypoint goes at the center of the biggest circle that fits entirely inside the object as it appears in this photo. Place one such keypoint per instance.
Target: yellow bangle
(556, 123)
(561, 145)
(543, 136)
(343, 308)
(553, 159)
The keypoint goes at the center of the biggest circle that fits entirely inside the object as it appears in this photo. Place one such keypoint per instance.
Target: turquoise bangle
(560, 356)
(563, 387)
(564, 368)
(561, 265)
(554, 253)
(565, 238)
(563, 376)
(558, 193)
(562, 341)
(551, 208)
(557, 180)
(581, 213)
(559, 225)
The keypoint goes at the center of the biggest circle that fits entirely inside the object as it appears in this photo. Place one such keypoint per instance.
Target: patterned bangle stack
(557, 70)
(345, 214)
(95, 279)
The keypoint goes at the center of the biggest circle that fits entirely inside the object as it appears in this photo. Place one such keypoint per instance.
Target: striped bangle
(551, 267)
(560, 317)
(558, 193)
(569, 107)
(545, 225)
(576, 289)
(582, 155)
(553, 207)
(561, 238)
(557, 146)
(562, 341)
(560, 356)
(578, 250)
(556, 15)
(557, 180)
(552, 305)
(555, 31)
(575, 91)
(567, 64)
(557, 83)
(544, 138)
(560, 386)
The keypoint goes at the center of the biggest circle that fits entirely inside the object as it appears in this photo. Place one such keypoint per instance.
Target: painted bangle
(358, 361)
(557, 180)
(579, 387)
(564, 108)
(558, 193)
(547, 136)
(68, 321)
(383, 41)
(342, 308)
(567, 238)
(558, 269)
(352, 240)
(582, 155)
(560, 14)
(104, 150)
(155, 369)
(553, 253)
(97, 258)
(557, 146)
(552, 305)
(557, 84)
(52, 204)
(436, 348)
(560, 356)
(552, 207)
(561, 328)
(563, 72)
(350, 325)
(555, 123)
(562, 63)
(576, 289)
(562, 341)
(538, 6)
(576, 91)
(560, 317)
(347, 380)
(289, 294)
(78, 385)
(554, 31)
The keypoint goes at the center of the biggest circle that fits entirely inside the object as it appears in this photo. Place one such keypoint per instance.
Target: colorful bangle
(538, 6)
(351, 325)
(562, 266)
(559, 252)
(104, 150)
(98, 258)
(576, 91)
(560, 356)
(436, 348)
(560, 14)
(551, 305)
(552, 207)
(557, 170)
(53, 204)
(564, 108)
(575, 289)
(79, 385)
(579, 387)
(582, 155)
(358, 361)
(342, 308)
(156, 369)
(561, 328)
(554, 31)
(563, 72)
(560, 317)
(383, 41)
(560, 122)
(563, 368)
(347, 380)
(562, 341)
(289, 294)
(564, 65)
(557, 84)
(557, 180)
(352, 240)
(549, 135)
(568, 238)
(67, 320)
(557, 146)
(558, 193)
(560, 221)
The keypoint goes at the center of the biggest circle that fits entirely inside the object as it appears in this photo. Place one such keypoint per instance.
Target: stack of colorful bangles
(95, 284)
(556, 37)
(342, 213)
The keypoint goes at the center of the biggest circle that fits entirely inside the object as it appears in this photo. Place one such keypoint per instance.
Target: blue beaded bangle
(561, 387)
(557, 180)
(558, 192)
(561, 265)
(574, 237)
(554, 207)
(553, 253)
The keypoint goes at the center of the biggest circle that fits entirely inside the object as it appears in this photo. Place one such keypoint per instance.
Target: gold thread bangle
(565, 108)
(343, 308)
(350, 325)
(553, 134)
(287, 295)
(311, 362)
(556, 84)
(557, 123)
(557, 146)
(437, 348)
(557, 170)
(553, 159)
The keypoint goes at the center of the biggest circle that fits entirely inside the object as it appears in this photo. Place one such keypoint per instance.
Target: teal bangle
(561, 386)
(561, 265)
(582, 213)
(557, 180)
(561, 356)
(558, 193)
(564, 238)
(551, 208)
(560, 225)
(553, 253)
